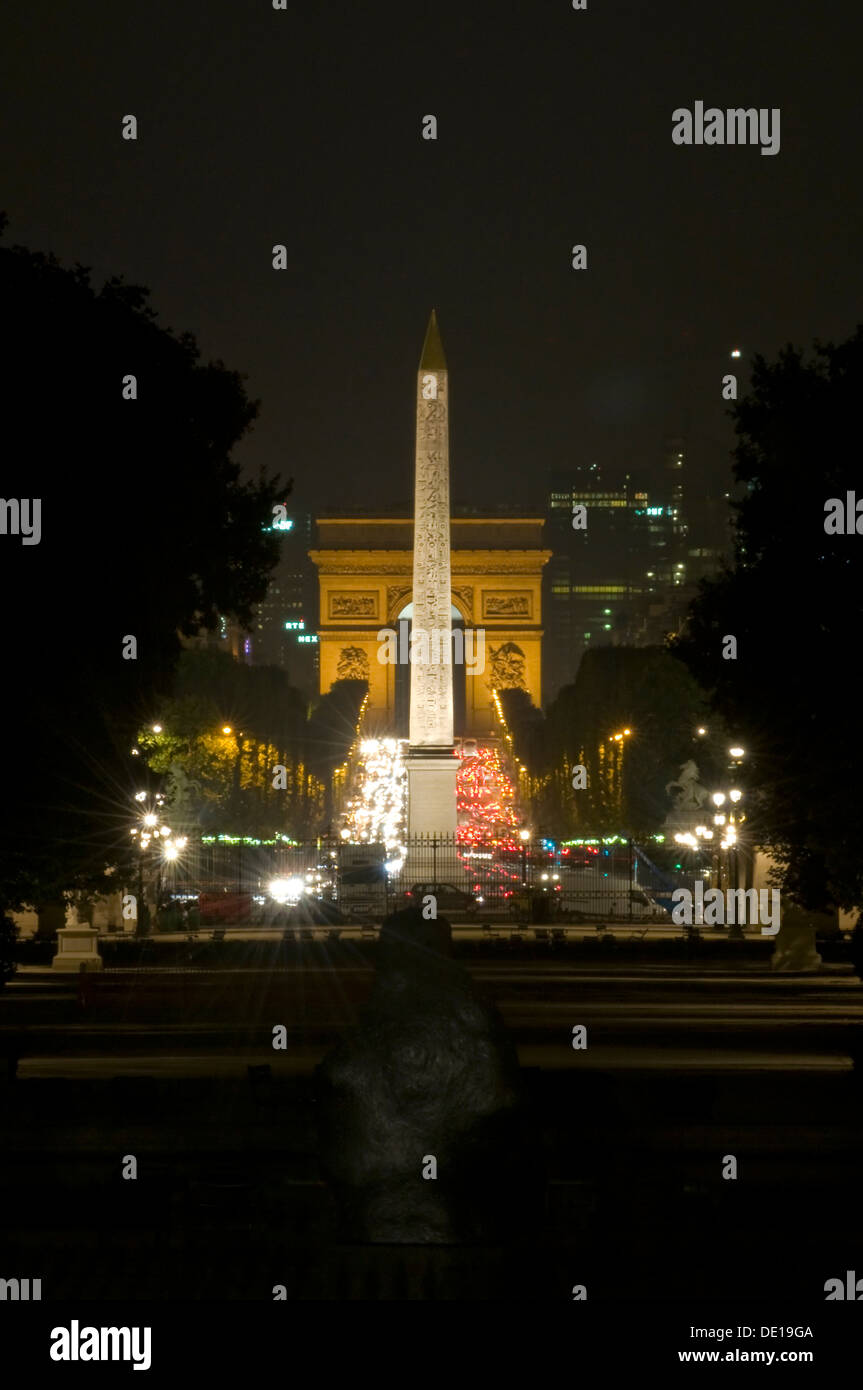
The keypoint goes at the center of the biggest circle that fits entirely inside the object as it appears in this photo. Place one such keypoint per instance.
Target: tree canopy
(148, 531)
(222, 734)
(792, 598)
(643, 689)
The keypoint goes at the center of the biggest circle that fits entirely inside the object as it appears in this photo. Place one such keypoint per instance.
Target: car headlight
(286, 890)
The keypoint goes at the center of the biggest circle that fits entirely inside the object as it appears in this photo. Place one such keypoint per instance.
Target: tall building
(661, 589)
(590, 576)
(710, 538)
(628, 576)
(285, 628)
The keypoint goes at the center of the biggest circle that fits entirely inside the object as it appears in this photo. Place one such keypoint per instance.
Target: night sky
(304, 127)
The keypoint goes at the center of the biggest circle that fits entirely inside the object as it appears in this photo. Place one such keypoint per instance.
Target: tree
(792, 598)
(643, 689)
(332, 727)
(118, 442)
(8, 935)
(222, 733)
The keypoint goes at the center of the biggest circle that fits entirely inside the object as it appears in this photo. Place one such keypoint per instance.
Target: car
(644, 904)
(449, 899)
(361, 885)
(215, 909)
(598, 896)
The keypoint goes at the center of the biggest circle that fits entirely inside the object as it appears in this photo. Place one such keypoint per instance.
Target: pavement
(468, 930)
(687, 1061)
(646, 1016)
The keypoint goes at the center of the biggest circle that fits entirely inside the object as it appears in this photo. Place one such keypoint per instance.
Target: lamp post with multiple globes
(157, 846)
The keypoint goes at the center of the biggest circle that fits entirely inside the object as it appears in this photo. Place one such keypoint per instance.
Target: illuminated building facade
(365, 574)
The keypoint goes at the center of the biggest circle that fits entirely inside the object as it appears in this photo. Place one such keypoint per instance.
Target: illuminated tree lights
(375, 812)
(485, 798)
(376, 805)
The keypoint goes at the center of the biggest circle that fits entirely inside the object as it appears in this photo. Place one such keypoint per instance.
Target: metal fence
(469, 881)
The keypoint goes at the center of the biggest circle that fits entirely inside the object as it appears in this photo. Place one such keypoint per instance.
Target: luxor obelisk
(431, 761)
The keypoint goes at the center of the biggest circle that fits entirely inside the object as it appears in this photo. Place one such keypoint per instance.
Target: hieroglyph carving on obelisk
(431, 711)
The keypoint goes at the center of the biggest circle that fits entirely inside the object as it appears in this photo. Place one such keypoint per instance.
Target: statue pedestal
(77, 948)
(684, 820)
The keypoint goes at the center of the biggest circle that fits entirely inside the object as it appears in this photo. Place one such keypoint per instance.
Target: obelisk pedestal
(431, 762)
(432, 794)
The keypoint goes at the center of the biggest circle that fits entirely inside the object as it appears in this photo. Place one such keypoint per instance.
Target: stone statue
(691, 796)
(422, 1127)
(185, 795)
(507, 668)
(353, 665)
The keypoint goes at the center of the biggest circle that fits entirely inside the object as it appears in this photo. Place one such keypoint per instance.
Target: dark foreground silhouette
(424, 1133)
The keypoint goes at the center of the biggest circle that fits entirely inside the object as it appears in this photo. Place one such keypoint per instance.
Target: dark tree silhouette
(8, 935)
(333, 725)
(618, 687)
(429, 1072)
(793, 600)
(147, 532)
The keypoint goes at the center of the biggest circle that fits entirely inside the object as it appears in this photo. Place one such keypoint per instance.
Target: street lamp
(616, 797)
(524, 836)
(145, 833)
(149, 834)
(728, 841)
(735, 795)
(172, 847)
